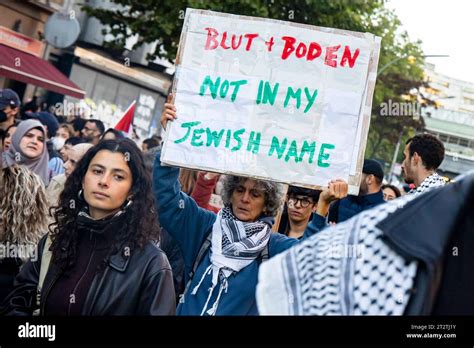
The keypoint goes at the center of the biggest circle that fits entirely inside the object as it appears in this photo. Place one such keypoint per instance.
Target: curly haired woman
(23, 221)
(104, 258)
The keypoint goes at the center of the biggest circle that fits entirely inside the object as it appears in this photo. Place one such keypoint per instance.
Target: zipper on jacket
(46, 293)
(80, 279)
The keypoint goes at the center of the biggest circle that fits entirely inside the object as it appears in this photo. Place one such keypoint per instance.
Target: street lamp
(410, 58)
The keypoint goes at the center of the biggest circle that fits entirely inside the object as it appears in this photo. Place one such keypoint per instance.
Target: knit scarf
(234, 245)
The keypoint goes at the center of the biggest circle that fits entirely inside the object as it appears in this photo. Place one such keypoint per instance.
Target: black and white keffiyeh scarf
(234, 245)
(434, 180)
(346, 269)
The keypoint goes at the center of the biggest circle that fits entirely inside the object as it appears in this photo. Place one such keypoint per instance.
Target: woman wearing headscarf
(104, 259)
(222, 252)
(28, 148)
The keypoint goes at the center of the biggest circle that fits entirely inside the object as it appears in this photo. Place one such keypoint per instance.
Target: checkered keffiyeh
(434, 180)
(234, 245)
(346, 269)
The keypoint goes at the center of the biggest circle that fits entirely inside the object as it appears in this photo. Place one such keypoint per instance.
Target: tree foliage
(161, 22)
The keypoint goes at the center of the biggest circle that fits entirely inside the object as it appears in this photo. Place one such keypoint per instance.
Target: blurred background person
(68, 144)
(92, 131)
(9, 109)
(370, 194)
(23, 220)
(150, 143)
(300, 205)
(65, 131)
(390, 192)
(78, 125)
(56, 186)
(55, 163)
(28, 148)
(187, 180)
(112, 134)
(7, 139)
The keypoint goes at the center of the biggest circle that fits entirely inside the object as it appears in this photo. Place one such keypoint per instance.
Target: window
(453, 140)
(468, 101)
(443, 137)
(468, 90)
(464, 142)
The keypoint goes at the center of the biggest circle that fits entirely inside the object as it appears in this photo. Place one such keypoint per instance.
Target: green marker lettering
(214, 136)
(308, 148)
(197, 137)
(224, 89)
(227, 140)
(237, 134)
(311, 98)
(188, 125)
(292, 94)
(212, 86)
(254, 142)
(259, 93)
(269, 94)
(324, 156)
(292, 152)
(275, 146)
(236, 85)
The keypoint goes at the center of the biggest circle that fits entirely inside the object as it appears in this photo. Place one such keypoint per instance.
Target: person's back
(386, 261)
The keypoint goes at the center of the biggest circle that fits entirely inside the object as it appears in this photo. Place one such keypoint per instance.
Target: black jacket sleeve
(22, 299)
(157, 296)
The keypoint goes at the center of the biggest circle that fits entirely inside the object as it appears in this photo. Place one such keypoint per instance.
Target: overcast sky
(445, 27)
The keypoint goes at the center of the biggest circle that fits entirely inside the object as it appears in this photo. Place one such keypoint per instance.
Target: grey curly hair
(272, 190)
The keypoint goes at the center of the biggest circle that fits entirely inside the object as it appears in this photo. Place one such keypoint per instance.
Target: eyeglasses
(87, 129)
(304, 202)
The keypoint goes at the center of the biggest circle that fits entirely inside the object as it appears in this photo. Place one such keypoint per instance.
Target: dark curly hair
(141, 220)
(429, 148)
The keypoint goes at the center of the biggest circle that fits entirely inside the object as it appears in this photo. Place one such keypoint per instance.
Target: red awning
(24, 67)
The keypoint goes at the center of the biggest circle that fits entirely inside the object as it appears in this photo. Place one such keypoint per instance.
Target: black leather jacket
(139, 285)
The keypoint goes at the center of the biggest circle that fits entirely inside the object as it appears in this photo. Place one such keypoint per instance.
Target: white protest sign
(271, 99)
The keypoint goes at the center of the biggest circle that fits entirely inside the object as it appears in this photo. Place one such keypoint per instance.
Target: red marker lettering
(331, 56)
(289, 46)
(347, 58)
(249, 37)
(211, 42)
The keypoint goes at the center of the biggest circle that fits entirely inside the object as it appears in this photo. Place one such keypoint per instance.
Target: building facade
(452, 120)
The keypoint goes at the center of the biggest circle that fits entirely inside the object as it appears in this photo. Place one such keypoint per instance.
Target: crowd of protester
(106, 229)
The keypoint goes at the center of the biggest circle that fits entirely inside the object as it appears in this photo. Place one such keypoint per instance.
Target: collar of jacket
(422, 229)
(106, 228)
(370, 199)
(118, 261)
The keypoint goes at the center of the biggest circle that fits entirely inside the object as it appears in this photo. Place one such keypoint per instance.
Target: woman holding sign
(223, 252)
